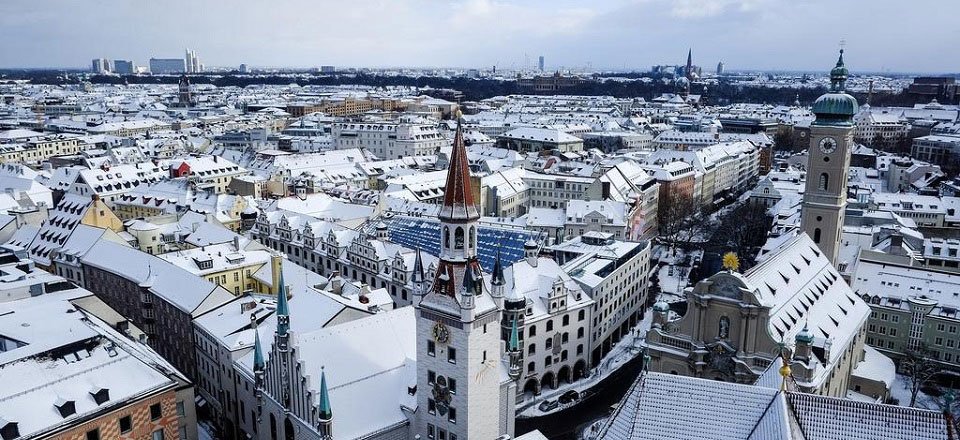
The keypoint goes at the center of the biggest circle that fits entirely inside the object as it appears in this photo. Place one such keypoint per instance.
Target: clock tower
(458, 327)
(828, 161)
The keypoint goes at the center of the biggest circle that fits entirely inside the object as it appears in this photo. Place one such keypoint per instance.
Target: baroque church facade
(792, 307)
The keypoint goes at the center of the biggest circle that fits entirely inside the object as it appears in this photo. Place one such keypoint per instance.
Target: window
(157, 435)
(566, 319)
(533, 330)
(816, 235)
(824, 181)
(532, 349)
(431, 406)
(452, 415)
(581, 315)
(155, 411)
(531, 366)
(550, 325)
(431, 348)
(126, 424)
(452, 355)
(431, 377)
(93, 434)
(430, 431)
(458, 238)
(180, 411)
(452, 385)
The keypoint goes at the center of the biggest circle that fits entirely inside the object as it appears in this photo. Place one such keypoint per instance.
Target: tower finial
(326, 412)
(283, 309)
(258, 363)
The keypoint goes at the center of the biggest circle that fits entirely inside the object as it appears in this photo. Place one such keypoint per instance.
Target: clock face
(440, 333)
(828, 145)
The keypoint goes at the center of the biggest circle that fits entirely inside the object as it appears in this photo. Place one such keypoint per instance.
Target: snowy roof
(662, 406)
(64, 356)
(801, 286)
(180, 287)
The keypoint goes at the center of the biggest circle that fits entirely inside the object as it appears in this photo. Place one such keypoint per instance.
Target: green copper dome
(836, 107)
(804, 336)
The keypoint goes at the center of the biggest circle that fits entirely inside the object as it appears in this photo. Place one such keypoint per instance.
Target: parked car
(548, 405)
(569, 397)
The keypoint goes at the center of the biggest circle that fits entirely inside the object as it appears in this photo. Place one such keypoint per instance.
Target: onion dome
(805, 336)
(836, 107)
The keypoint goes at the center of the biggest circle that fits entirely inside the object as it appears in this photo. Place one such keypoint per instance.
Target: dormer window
(100, 395)
(66, 408)
(9, 430)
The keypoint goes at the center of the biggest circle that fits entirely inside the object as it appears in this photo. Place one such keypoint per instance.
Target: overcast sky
(881, 35)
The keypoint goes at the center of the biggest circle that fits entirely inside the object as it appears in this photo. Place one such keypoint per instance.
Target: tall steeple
(688, 70)
(325, 416)
(828, 163)
(456, 344)
(458, 217)
(458, 202)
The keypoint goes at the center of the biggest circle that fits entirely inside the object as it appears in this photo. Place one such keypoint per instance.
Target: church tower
(828, 159)
(185, 96)
(458, 325)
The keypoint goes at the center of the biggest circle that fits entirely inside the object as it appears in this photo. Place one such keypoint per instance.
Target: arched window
(288, 433)
(273, 427)
(816, 235)
(446, 236)
(458, 238)
(824, 181)
(724, 327)
(766, 190)
(473, 237)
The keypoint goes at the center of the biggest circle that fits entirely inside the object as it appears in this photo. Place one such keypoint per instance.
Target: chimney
(236, 242)
(336, 284)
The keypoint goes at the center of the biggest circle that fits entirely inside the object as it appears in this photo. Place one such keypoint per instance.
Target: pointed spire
(283, 310)
(258, 363)
(497, 275)
(326, 412)
(458, 202)
(514, 336)
(469, 283)
(418, 275)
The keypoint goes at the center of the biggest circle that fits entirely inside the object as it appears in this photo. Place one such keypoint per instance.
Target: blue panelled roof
(424, 232)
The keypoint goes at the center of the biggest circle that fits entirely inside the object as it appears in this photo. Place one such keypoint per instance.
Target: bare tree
(742, 231)
(682, 220)
(920, 369)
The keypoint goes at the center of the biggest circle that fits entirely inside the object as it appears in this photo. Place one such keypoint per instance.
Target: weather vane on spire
(843, 44)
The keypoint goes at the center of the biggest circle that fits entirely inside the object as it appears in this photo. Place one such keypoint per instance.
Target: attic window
(785, 279)
(9, 431)
(835, 322)
(797, 270)
(66, 408)
(100, 395)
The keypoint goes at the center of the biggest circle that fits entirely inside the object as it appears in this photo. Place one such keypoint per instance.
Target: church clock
(440, 333)
(828, 145)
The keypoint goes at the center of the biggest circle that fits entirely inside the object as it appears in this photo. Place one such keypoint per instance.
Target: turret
(497, 281)
(660, 309)
(325, 415)
(470, 284)
(418, 277)
(258, 366)
(513, 350)
(530, 252)
(804, 345)
(383, 234)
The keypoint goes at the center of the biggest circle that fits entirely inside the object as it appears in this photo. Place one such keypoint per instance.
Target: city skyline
(612, 34)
